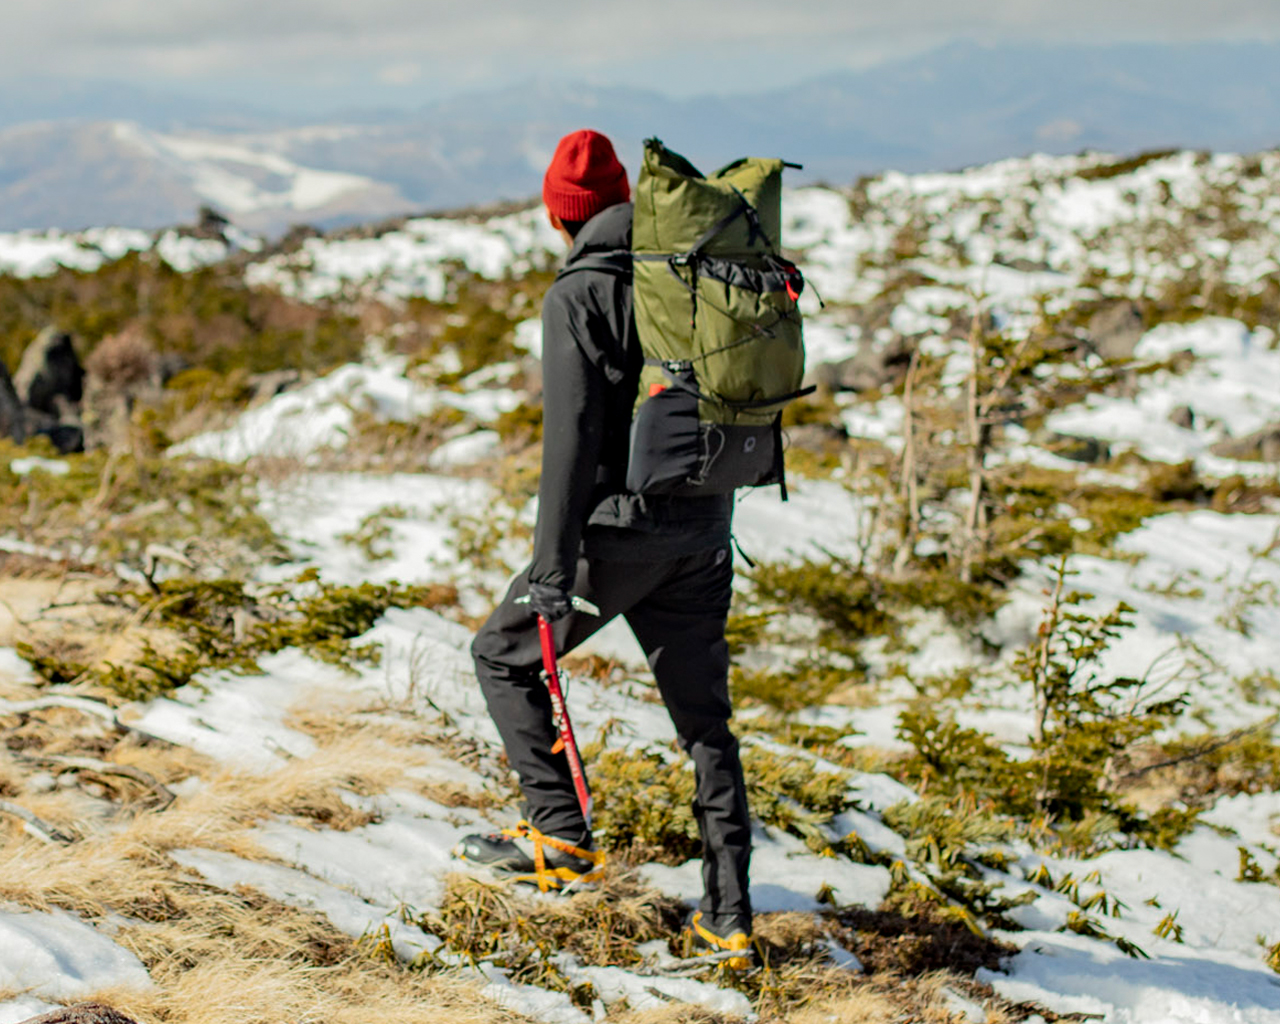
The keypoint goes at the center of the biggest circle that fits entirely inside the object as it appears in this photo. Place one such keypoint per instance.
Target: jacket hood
(608, 231)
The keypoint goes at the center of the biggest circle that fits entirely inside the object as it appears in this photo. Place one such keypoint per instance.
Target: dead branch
(83, 704)
(1195, 755)
(34, 825)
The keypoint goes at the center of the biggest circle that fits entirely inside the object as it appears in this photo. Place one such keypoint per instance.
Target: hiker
(663, 563)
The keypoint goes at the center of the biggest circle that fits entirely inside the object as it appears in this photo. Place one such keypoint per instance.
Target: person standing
(663, 563)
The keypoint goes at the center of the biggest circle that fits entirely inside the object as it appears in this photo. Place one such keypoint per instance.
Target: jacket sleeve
(573, 414)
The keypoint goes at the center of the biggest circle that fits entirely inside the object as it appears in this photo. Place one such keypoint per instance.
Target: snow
(1255, 817)
(302, 422)
(33, 463)
(313, 511)
(240, 719)
(412, 261)
(466, 450)
(815, 518)
(13, 667)
(1230, 389)
(1075, 974)
(42, 253)
(785, 876)
(56, 956)
(347, 911)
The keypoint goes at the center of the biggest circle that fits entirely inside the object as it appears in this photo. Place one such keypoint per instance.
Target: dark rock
(816, 437)
(1078, 449)
(1260, 446)
(66, 437)
(210, 224)
(85, 1013)
(13, 419)
(868, 370)
(295, 238)
(1183, 417)
(266, 386)
(50, 377)
(170, 365)
(1114, 330)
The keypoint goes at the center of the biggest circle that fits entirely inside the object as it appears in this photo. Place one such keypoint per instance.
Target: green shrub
(645, 800)
(224, 624)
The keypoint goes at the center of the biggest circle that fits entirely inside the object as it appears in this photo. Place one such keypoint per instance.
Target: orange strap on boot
(549, 878)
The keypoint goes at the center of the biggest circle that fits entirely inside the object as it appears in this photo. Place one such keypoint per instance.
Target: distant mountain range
(73, 155)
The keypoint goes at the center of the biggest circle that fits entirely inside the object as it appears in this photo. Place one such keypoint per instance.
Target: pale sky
(295, 54)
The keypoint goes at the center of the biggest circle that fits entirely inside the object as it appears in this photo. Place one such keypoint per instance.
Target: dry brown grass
(221, 957)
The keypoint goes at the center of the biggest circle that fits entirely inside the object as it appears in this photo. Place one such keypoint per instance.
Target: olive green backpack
(717, 320)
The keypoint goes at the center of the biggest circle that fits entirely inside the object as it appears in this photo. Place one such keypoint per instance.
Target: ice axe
(560, 709)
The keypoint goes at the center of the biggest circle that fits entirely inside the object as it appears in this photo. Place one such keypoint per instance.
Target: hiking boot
(720, 936)
(530, 856)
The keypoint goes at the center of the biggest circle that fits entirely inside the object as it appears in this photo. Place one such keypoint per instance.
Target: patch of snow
(818, 515)
(348, 913)
(1230, 389)
(54, 467)
(1075, 974)
(313, 511)
(466, 450)
(239, 720)
(15, 667)
(412, 261)
(58, 957)
(319, 415)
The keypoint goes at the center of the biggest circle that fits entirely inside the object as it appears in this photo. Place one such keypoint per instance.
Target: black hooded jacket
(591, 363)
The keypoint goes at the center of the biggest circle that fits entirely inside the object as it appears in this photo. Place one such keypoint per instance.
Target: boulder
(816, 437)
(1183, 416)
(1115, 328)
(868, 370)
(1260, 446)
(50, 378)
(66, 437)
(210, 224)
(1077, 449)
(13, 420)
(265, 386)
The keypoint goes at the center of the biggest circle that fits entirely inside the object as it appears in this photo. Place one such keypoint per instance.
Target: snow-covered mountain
(70, 162)
(121, 173)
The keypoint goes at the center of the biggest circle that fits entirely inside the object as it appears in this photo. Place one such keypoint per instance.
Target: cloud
(404, 73)
(709, 41)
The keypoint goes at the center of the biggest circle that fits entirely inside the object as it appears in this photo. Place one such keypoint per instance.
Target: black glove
(551, 603)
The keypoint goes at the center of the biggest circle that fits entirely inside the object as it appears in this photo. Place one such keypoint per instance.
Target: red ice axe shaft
(561, 711)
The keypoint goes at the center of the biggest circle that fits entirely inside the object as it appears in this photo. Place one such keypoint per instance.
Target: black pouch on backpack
(666, 440)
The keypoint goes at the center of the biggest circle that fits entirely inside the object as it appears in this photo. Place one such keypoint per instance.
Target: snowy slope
(1006, 239)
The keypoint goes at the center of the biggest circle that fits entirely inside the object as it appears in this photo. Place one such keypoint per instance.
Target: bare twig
(1195, 755)
(83, 704)
(36, 826)
(909, 483)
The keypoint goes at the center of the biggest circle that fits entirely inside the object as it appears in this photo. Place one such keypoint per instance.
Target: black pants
(677, 609)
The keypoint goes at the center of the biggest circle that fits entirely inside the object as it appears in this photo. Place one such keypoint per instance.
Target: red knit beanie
(584, 177)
